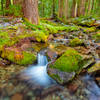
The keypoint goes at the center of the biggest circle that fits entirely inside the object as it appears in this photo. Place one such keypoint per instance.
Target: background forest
(49, 49)
(51, 8)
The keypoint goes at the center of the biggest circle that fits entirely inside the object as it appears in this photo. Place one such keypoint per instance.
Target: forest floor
(75, 45)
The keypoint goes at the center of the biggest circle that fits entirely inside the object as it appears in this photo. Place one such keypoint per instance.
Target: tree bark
(8, 3)
(30, 9)
(81, 8)
(60, 13)
(74, 9)
(89, 7)
(66, 9)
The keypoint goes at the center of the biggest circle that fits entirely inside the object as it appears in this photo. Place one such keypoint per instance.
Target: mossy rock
(94, 68)
(96, 36)
(66, 66)
(60, 76)
(21, 58)
(89, 30)
(75, 42)
(69, 61)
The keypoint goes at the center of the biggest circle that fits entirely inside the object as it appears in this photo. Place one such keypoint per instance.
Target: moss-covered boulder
(69, 61)
(67, 65)
(18, 57)
(75, 42)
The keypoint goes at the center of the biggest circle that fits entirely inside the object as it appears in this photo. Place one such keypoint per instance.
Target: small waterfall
(42, 60)
(37, 74)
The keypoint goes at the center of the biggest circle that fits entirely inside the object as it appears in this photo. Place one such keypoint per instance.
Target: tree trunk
(53, 9)
(89, 7)
(81, 8)
(8, 3)
(60, 14)
(74, 9)
(92, 4)
(30, 9)
(66, 9)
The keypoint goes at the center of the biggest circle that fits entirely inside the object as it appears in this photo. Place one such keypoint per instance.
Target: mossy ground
(75, 42)
(13, 34)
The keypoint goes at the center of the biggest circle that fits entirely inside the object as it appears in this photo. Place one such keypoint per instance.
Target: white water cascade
(36, 75)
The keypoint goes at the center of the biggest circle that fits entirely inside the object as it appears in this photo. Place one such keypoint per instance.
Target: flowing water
(36, 75)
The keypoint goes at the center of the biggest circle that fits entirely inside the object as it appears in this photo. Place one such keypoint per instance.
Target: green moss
(4, 38)
(22, 58)
(40, 36)
(56, 77)
(28, 58)
(49, 27)
(68, 62)
(94, 68)
(89, 30)
(84, 20)
(96, 36)
(75, 42)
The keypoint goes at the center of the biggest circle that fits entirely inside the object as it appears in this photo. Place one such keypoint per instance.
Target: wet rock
(51, 54)
(58, 48)
(95, 67)
(25, 46)
(60, 76)
(64, 68)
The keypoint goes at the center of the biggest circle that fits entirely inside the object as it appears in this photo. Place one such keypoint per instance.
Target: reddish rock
(50, 37)
(73, 87)
(25, 46)
(51, 54)
(17, 96)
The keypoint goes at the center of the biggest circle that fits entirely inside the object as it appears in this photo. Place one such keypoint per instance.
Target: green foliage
(68, 62)
(89, 30)
(14, 10)
(96, 36)
(4, 38)
(40, 36)
(85, 20)
(75, 42)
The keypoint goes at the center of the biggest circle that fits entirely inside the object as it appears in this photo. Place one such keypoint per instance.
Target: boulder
(65, 67)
